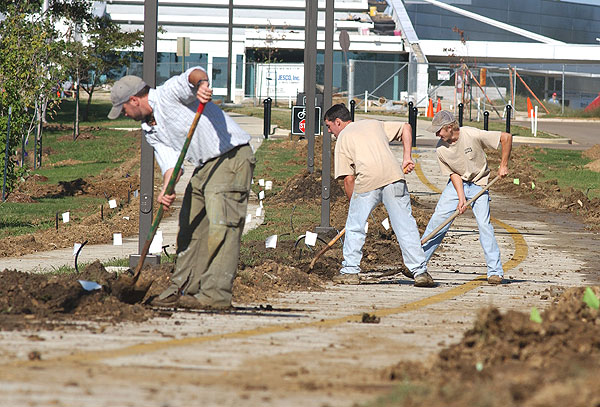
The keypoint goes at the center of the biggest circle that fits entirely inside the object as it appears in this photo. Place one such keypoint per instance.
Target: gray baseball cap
(441, 119)
(122, 90)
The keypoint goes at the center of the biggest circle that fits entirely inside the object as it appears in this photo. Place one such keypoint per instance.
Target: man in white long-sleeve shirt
(213, 212)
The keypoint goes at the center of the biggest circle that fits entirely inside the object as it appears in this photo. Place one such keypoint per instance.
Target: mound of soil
(307, 186)
(261, 282)
(544, 193)
(509, 360)
(49, 301)
(592, 153)
(593, 166)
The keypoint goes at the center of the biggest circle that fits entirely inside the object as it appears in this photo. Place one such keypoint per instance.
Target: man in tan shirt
(462, 158)
(372, 175)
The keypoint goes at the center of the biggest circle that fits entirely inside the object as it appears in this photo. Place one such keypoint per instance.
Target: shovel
(169, 191)
(425, 239)
(456, 213)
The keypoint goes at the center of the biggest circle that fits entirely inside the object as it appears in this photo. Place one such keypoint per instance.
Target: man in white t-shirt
(213, 211)
(372, 175)
(462, 158)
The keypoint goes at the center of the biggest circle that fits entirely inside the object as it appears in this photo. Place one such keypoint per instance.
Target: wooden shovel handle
(169, 190)
(323, 250)
(456, 213)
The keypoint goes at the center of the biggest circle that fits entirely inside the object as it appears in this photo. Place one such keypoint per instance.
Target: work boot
(189, 302)
(424, 280)
(170, 301)
(346, 278)
(407, 273)
(193, 302)
(494, 279)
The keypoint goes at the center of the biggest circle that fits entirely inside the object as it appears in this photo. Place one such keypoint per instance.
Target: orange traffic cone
(439, 106)
(430, 109)
(529, 107)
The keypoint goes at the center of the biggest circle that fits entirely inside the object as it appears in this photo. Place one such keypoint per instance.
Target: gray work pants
(211, 223)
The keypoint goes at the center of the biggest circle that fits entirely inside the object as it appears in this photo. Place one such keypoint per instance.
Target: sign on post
(183, 46)
(299, 120)
(183, 50)
(443, 75)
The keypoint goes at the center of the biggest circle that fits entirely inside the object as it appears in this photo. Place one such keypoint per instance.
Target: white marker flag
(268, 185)
(261, 195)
(261, 182)
(271, 242)
(65, 217)
(157, 243)
(112, 203)
(117, 239)
(386, 223)
(76, 248)
(310, 238)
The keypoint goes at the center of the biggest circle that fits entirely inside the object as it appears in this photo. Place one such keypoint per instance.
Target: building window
(239, 70)
(219, 72)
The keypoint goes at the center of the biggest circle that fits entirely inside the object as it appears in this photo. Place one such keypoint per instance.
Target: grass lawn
(567, 167)
(68, 160)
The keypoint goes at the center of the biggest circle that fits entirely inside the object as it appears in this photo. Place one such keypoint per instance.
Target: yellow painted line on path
(424, 180)
(519, 255)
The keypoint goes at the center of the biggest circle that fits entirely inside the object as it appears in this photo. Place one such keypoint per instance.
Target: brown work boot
(169, 301)
(189, 302)
(346, 278)
(192, 302)
(494, 279)
(407, 273)
(424, 280)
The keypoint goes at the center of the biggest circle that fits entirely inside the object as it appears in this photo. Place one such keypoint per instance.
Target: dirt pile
(307, 186)
(592, 153)
(261, 282)
(47, 301)
(594, 165)
(544, 193)
(509, 360)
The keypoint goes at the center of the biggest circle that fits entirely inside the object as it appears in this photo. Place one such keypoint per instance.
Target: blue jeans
(446, 206)
(396, 199)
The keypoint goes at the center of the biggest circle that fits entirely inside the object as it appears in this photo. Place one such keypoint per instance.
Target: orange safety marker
(529, 107)
(439, 105)
(430, 109)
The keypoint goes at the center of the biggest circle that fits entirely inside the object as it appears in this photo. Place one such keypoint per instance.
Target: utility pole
(228, 99)
(147, 153)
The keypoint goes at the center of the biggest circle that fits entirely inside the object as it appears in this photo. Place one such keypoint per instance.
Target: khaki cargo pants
(211, 223)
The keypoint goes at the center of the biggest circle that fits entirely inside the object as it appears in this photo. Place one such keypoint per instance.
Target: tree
(26, 72)
(31, 65)
(103, 48)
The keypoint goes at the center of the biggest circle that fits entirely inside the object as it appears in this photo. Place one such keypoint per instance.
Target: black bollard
(267, 117)
(410, 111)
(352, 108)
(414, 126)
(486, 120)
(460, 114)
(508, 114)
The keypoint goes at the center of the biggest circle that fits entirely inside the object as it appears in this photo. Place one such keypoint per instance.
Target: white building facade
(395, 45)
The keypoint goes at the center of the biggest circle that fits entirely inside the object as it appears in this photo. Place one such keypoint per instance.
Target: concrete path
(312, 349)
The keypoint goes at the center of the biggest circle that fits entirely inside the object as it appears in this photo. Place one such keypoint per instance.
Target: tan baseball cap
(441, 119)
(122, 90)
